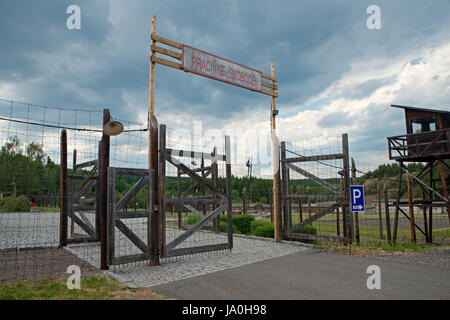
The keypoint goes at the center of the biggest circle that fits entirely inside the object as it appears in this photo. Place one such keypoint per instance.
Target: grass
(396, 247)
(92, 288)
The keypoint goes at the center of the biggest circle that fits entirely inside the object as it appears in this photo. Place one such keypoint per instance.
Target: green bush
(193, 219)
(224, 227)
(307, 230)
(243, 222)
(262, 228)
(15, 204)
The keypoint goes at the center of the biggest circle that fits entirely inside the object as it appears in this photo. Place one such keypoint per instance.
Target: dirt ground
(439, 256)
(39, 263)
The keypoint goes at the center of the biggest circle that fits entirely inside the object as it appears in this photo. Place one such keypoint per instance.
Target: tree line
(27, 170)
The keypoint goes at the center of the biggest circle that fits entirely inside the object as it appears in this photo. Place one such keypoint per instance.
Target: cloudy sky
(335, 75)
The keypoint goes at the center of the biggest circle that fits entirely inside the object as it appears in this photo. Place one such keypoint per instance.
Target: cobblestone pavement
(245, 251)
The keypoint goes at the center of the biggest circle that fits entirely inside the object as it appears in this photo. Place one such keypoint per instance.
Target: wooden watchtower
(427, 140)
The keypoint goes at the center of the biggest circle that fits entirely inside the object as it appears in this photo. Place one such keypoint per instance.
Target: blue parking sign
(357, 198)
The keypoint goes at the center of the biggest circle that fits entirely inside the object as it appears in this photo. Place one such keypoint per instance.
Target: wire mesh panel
(128, 230)
(382, 221)
(315, 179)
(30, 186)
(197, 193)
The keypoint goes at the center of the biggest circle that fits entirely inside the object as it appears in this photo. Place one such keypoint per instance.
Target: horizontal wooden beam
(131, 214)
(313, 197)
(130, 172)
(268, 77)
(82, 177)
(317, 237)
(322, 157)
(86, 239)
(167, 52)
(130, 258)
(195, 201)
(269, 85)
(193, 250)
(194, 155)
(166, 63)
(270, 93)
(168, 42)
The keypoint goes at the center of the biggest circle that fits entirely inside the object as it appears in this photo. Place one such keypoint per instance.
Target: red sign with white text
(211, 66)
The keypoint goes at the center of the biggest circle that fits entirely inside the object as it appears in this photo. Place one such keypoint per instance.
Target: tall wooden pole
(380, 219)
(444, 186)
(299, 192)
(386, 212)
(276, 168)
(430, 209)
(348, 215)
(151, 107)
(411, 208)
(103, 180)
(64, 196)
(397, 204)
(153, 156)
(424, 213)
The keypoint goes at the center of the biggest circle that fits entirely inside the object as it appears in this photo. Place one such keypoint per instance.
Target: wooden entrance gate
(118, 252)
(334, 199)
(220, 200)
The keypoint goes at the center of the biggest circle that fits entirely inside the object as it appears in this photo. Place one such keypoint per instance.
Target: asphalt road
(313, 274)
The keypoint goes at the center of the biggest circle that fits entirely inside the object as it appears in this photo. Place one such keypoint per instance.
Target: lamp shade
(112, 128)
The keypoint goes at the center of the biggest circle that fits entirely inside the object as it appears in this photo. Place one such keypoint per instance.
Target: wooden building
(427, 140)
(427, 136)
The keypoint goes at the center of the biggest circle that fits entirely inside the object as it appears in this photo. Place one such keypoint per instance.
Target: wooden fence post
(103, 180)
(411, 208)
(380, 219)
(64, 198)
(386, 212)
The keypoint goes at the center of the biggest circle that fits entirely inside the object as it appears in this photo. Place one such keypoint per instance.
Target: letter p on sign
(357, 198)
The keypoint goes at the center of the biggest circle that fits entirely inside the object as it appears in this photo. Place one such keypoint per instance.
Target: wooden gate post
(153, 194)
(284, 189)
(386, 212)
(380, 219)
(229, 192)
(397, 204)
(444, 186)
(348, 216)
(103, 181)
(63, 220)
(276, 167)
(162, 187)
(411, 208)
(424, 213)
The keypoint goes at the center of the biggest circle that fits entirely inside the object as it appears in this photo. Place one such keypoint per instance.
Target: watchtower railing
(419, 145)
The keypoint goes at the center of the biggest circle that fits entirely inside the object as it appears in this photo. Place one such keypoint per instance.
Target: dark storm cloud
(105, 64)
